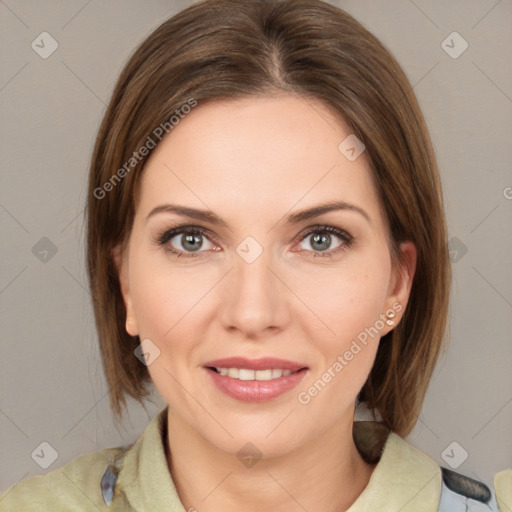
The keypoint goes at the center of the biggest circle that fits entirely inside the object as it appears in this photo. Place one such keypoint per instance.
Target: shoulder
(503, 486)
(73, 487)
(413, 481)
(460, 493)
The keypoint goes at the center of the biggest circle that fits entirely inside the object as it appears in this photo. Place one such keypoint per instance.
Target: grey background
(51, 383)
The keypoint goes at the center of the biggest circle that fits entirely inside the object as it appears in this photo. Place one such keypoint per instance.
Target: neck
(327, 475)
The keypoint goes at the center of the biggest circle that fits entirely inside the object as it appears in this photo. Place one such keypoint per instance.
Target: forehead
(257, 154)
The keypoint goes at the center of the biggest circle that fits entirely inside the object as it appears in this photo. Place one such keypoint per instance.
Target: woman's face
(256, 281)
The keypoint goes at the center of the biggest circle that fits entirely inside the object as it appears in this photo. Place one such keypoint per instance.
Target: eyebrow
(294, 218)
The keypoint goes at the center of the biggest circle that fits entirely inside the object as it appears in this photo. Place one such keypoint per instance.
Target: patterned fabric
(460, 493)
(108, 482)
(109, 478)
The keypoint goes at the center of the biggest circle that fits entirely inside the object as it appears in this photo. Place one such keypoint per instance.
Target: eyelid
(328, 228)
(346, 238)
(164, 237)
(168, 234)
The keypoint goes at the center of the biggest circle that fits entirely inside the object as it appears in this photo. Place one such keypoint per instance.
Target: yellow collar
(404, 478)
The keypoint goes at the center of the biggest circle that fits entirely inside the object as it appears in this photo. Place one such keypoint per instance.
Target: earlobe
(131, 325)
(121, 264)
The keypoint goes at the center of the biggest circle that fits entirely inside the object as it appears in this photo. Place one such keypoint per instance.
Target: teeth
(263, 374)
(233, 373)
(246, 374)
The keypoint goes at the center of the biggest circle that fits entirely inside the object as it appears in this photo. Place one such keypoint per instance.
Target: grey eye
(320, 241)
(189, 242)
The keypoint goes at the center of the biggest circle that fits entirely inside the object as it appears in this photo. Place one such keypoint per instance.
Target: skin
(253, 162)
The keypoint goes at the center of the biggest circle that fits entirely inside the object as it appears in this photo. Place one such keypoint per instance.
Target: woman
(267, 245)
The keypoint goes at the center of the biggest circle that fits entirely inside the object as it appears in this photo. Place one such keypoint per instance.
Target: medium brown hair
(221, 49)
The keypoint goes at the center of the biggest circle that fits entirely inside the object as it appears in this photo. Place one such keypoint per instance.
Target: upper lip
(264, 363)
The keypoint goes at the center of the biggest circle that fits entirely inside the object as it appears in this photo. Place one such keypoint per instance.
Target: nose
(255, 300)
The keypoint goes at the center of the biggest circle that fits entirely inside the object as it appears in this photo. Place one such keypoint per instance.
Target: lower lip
(255, 390)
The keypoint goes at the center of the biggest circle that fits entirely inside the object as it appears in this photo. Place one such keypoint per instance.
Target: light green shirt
(404, 480)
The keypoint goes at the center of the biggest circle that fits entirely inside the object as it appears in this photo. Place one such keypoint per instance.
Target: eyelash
(168, 235)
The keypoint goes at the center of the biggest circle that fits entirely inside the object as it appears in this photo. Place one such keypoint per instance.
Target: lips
(244, 379)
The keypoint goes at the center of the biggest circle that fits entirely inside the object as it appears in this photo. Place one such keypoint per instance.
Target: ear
(120, 258)
(401, 283)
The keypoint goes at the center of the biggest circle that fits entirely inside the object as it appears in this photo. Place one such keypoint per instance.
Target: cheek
(168, 308)
(349, 305)
(345, 301)
(164, 296)
(345, 327)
